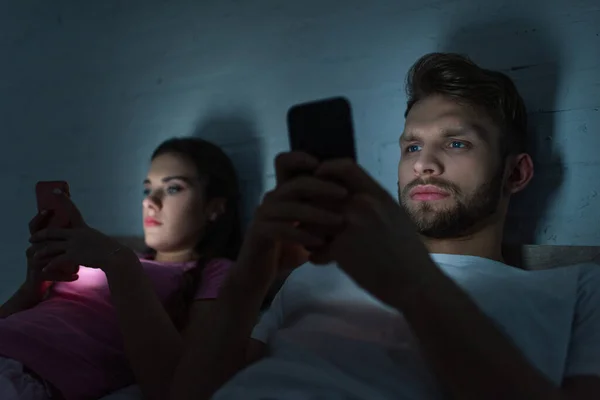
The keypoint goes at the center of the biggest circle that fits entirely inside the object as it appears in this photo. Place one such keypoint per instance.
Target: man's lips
(427, 193)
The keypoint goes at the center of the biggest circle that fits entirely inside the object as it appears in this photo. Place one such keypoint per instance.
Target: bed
(529, 257)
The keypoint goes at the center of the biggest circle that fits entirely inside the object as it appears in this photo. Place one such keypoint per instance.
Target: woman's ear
(215, 208)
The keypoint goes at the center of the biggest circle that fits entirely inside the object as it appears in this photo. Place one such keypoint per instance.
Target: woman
(123, 318)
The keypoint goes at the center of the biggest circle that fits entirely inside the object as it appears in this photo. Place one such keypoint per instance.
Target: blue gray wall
(88, 89)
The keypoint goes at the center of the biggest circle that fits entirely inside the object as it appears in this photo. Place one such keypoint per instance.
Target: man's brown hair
(459, 78)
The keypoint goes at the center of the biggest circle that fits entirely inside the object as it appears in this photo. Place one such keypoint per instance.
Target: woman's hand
(36, 281)
(63, 250)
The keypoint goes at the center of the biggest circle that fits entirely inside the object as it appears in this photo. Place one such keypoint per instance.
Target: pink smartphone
(47, 194)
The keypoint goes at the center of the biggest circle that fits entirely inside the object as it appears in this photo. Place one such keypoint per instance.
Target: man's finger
(285, 232)
(321, 255)
(310, 188)
(300, 213)
(289, 165)
(350, 175)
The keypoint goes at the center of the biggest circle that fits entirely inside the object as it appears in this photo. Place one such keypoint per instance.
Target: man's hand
(379, 246)
(291, 218)
(380, 249)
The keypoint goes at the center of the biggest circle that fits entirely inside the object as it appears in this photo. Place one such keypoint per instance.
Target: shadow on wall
(524, 51)
(237, 135)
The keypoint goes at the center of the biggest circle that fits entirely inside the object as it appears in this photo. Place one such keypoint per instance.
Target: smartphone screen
(47, 194)
(322, 128)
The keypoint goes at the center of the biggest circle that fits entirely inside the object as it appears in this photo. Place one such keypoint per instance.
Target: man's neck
(486, 243)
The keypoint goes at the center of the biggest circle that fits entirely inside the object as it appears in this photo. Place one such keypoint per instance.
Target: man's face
(450, 175)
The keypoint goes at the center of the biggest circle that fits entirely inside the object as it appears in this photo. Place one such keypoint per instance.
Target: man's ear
(519, 172)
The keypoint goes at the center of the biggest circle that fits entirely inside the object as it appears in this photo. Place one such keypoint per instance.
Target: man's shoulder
(589, 276)
(587, 280)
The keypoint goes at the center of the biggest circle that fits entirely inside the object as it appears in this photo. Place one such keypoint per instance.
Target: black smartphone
(322, 128)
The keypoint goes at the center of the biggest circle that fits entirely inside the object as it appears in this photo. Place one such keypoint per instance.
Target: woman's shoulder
(218, 264)
(213, 275)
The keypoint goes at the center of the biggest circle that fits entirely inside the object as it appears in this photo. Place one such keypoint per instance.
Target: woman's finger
(49, 250)
(59, 276)
(75, 218)
(51, 272)
(61, 263)
(71, 278)
(40, 261)
(40, 221)
(51, 234)
(30, 251)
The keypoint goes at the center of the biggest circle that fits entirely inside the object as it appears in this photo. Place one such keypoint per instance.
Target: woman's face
(174, 205)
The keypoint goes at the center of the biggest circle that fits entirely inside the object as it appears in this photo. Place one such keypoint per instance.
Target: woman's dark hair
(221, 238)
(457, 77)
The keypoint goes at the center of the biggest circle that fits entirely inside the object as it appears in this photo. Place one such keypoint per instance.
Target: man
(408, 301)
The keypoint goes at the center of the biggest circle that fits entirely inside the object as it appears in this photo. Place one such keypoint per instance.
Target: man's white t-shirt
(329, 339)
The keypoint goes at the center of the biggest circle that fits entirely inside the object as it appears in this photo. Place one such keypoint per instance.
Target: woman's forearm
(26, 297)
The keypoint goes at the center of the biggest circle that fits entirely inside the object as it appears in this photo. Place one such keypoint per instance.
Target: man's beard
(459, 219)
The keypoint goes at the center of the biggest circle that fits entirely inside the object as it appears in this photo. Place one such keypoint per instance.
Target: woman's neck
(176, 256)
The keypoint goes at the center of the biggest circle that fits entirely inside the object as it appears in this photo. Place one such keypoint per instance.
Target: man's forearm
(470, 356)
(218, 349)
(152, 343)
